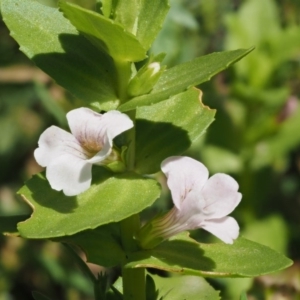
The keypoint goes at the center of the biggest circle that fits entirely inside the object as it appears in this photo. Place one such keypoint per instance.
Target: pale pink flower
(199, 202)
(69, 157)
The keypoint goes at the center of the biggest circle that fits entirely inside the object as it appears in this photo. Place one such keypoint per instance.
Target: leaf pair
(83, 63)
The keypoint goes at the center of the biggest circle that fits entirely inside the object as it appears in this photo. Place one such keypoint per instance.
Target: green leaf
(151, 18)
(111, 198)
(104, 33)
(8, 224)
(151, 291)
(168, 128)
(127, 14)
(142, 18)
(184, 287)
(108, 7)
(101, 245)
(184, 255)
(55, 46)
(183, 76)
(39, 296)
(243, 296)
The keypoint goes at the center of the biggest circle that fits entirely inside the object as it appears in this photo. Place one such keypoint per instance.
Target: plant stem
(130, 141)
(134, 280)
(123, 69)
(134, 284)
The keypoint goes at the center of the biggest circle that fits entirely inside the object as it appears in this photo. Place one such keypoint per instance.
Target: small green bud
(145, 79)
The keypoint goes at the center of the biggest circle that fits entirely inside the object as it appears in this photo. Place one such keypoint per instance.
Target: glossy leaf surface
(168, 128)
(183, 76)
(110, 198)
(60, 51)
(104, 33)
(184, 255)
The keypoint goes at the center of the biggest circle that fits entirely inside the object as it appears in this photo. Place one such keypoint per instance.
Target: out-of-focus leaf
(219, 159)
(243, 296)
(104, 33)
(186, 75)
(49, 103)
(111, 198)
(262, 231)
(39, 296)
(184, 255)
(59, 50)
(278, 145)
(184, 287)
(168, 128)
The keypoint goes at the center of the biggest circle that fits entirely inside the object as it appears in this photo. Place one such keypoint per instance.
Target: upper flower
(69, 156)
(199, 202)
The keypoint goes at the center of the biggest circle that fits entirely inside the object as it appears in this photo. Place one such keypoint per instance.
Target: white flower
(199, 202)
(69, 156)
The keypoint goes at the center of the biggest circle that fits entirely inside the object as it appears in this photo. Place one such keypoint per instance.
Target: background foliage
(255, 138)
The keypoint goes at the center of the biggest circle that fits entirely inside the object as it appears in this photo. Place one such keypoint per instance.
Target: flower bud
(144, 80)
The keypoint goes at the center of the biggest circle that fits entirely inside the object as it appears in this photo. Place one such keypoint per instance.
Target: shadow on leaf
(84, 70)
(155, 142)
(174, 256)
(44, 195)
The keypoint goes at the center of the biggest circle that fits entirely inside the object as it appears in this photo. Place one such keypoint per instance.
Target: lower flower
(199, 202)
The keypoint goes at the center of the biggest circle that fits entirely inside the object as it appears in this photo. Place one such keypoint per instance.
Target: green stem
(123, 69)
(129, 227)
(134, 284)
(134, 280)
(130, 141)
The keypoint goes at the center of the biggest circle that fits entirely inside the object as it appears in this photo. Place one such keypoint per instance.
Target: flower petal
(70, 174)
(184, 175)
(115, 123)
(96, 131)
(54, 142)
(191, 211)
(221, 196)
(226, 229)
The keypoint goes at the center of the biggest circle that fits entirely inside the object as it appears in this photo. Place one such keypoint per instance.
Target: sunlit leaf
(183, 76)
(111, 198)
(184, 255)
(104, 33)
(55, 46)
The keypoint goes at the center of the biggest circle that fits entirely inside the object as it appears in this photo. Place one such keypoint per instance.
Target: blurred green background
(255, 138)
